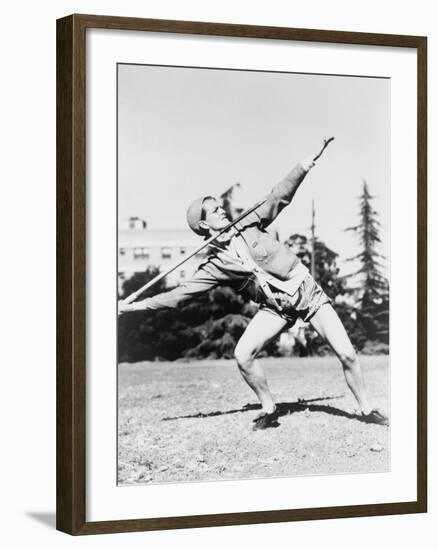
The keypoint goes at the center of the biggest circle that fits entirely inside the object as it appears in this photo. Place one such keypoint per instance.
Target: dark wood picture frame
(71, 271)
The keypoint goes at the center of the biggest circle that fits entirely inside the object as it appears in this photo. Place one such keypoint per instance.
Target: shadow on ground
(284, 409)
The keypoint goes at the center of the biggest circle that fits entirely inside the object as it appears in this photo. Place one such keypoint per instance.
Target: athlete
(258, 264)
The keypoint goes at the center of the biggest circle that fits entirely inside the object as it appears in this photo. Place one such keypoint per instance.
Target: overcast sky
(187, 132)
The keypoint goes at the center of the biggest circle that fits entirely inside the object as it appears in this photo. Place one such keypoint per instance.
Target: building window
(141, 252)
(122, 251)
(166, 253)
(183, 250)
(182, 274)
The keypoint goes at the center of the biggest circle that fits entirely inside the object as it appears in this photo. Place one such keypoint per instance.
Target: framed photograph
(241, 274)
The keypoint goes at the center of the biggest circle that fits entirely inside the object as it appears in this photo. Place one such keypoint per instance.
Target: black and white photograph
(253, 262)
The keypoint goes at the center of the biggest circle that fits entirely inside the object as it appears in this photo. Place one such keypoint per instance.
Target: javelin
(324, 145)
(160, 276)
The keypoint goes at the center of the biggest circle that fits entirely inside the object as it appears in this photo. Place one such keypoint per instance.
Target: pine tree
(372, 287)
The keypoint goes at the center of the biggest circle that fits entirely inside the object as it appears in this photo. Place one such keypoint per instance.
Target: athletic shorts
(302, 305)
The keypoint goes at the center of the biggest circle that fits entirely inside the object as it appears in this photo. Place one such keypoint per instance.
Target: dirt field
(193, 421)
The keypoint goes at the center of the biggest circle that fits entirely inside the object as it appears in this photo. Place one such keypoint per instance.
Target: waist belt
(290, 286)
(293, 282)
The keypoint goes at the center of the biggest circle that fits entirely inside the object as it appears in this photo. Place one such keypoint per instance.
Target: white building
(140, 248)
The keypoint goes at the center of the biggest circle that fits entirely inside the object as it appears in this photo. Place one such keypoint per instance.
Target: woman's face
(214, 218)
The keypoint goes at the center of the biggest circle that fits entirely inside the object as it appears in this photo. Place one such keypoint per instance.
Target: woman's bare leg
(261, 329)
(328, 325)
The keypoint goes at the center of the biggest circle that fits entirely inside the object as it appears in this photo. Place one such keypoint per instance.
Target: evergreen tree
(373, 284)
(138, 280)
(371, 287)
